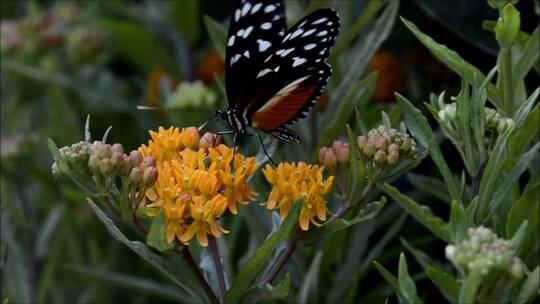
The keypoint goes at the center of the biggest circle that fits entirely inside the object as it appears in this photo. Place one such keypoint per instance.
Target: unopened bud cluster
(337, 154)
(484, 252)
(110, 160)
(494, 120)
(386, 146)
(75, 157)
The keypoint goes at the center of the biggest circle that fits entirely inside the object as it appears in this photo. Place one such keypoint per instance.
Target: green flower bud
(392, 158)
(361, 141)
(104, 151)
(381, 143)
(136, 175)
(105, 166)
(93, 162)
(380, 157)
(370, 149)
(117, 160)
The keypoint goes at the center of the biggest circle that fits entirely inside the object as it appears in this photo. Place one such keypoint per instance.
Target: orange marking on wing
(283, 110)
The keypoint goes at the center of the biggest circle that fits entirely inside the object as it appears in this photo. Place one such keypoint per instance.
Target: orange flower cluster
(195, 184)
(293, 181)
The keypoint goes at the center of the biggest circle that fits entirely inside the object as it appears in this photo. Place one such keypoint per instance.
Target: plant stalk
(508, 90)
(282, 260)
(186, 255)
(217, 263)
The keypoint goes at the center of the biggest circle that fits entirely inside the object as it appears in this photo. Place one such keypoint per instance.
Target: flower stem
(508, 90)
(217, 263)
(186, 255)
(282, 260)
(139, 226)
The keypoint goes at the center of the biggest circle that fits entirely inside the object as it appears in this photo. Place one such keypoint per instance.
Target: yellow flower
(195, 186)
(293, 181)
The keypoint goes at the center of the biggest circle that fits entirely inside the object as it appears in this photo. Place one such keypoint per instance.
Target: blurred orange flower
(390, 75)
(211, 65)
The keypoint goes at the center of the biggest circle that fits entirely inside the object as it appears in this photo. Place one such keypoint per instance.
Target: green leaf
(335, 119)
(137, 45)
(525, 108)
(529, 289)
(421, 213)
(446, 283)
(256, 264)
(420, 129)
(134, 283)
(178, 273)
(391, 280)
(507, 28)
(505, 185)
(157, 236)
(453, 60)
(459, 223)
(217, 33)
(357, 177)
(268, 292)
(370, 211)
(310, 279)
(527, 59)
(525, 208)
(185, 16)
(494, 168)
(519, 237)
(406, 283)
(523, 134)
(469, 288)
(430, 185)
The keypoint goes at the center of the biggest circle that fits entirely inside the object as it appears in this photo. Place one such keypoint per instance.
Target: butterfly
(274, 75)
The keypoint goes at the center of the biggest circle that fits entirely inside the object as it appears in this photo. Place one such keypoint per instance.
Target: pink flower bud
(210, 140)
(136, 175)
(105, 166)
(150, 176)
(135, 158)
(341, 149)
(117, 148)
(104, 151)
(327, 157)
(148, 162)
(117, 160)
(93, 162)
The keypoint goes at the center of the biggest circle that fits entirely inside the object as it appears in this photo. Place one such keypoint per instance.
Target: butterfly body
(274, 75)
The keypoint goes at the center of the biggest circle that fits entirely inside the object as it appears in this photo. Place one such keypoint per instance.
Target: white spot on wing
(323, 19)
(297, 33)
(266, 71)
(263, 45)
(246, 8)
(286, 52)
(298, 61)
(256, 8)
(247, 32)
(237, 14)
(246, 54)
(269, 8)
(266, 25)
(307, 33)
(309, 46)
(231, 41)
(320, 34)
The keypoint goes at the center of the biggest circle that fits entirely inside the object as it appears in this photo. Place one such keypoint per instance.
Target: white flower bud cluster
(75, 156)
(484, 252)
(494, 120)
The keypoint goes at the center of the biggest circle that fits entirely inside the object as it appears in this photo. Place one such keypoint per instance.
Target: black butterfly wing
(295, 74)
(256, 27)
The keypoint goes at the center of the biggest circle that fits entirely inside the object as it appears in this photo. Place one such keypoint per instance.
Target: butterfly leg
(221, 133)
(264, 148)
